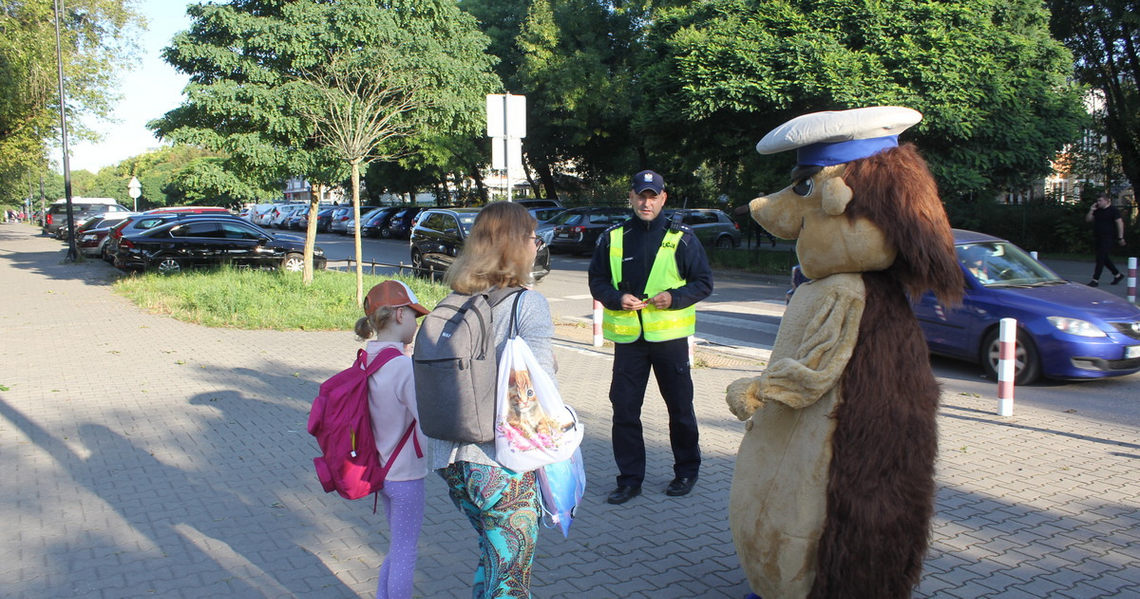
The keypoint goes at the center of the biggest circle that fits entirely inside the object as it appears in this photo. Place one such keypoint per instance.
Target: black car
(137, 223)
(438, 235)
(400, 224)
(376, 225)
(576, 230)
(324, 220)
(211, 241)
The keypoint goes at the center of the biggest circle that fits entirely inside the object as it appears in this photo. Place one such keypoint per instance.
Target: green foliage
(245, 59)
(254, 299)
(578, 72)
(1045, 225)
(985, 74)
(96, 39)
(1104, 36)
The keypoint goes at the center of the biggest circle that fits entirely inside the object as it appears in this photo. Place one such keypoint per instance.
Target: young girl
(390, 312)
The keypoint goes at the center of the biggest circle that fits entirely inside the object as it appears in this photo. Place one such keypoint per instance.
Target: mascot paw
(742, 399)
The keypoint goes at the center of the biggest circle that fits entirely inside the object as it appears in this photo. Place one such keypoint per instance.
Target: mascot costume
(833, 489)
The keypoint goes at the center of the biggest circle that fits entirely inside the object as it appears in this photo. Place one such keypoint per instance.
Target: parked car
(324, 219)
(544, 214)
(713, 227)
(1065, 330)
(257, 212)
(541, 209)
(376, 225)
(400, 224)
(265, 214)
(283, 213)
(210, 241)
(93, 238)
(576, 230)
(82, 210)
(138, 223)
(190, 210)
(365, 214)
(438, 236)
(339, 221)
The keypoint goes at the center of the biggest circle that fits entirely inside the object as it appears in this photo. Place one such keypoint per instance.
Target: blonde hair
(369, 324)
(494, 254)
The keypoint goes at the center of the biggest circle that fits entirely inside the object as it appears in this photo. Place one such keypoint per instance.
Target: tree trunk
(547, 179)
(356, 232)
(311, 237)
(482, 189)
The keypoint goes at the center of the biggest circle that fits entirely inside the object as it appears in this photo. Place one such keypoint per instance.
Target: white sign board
(506, 152)
(506, 115)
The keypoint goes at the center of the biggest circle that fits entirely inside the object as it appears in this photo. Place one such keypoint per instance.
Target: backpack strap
(496, 296)
(381, 359)
(513, 329)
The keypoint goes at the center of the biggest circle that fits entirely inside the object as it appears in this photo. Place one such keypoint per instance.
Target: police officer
(649, 273)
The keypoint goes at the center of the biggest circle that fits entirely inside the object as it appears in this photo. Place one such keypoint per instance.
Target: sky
(148, 92)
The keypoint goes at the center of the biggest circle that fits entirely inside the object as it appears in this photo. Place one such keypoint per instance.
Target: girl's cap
(393, 294)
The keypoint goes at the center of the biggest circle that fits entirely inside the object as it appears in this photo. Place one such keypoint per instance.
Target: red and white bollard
(1132, 280)
(1007, 365)
(598, 340)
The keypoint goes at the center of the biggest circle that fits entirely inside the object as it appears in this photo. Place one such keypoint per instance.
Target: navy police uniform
(669, 359)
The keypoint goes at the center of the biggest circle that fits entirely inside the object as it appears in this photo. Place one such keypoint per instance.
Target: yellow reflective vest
(625, 326)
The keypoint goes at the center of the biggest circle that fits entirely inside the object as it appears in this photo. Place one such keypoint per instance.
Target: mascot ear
(836, 194)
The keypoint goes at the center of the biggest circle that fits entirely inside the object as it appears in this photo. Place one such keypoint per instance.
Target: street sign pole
(506, 126)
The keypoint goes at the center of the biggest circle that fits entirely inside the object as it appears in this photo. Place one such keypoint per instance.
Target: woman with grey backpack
(501, 504)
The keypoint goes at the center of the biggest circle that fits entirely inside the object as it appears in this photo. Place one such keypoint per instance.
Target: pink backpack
(342, 425)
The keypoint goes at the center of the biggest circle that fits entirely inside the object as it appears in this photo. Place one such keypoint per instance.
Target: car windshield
(566, 218)
(1002, 264)
(467, 221)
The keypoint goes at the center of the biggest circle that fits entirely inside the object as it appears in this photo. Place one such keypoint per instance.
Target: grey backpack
(455, 367)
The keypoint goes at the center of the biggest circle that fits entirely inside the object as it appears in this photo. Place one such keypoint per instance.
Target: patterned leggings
(502, 506)
(404, 507)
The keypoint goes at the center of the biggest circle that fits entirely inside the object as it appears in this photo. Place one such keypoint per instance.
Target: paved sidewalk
(141, 456)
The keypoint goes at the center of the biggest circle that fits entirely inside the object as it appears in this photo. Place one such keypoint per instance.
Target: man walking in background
(1108, 230)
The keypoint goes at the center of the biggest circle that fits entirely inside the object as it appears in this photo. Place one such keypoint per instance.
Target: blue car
(1064, 330)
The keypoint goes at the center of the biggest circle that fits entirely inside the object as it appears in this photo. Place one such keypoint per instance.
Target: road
(742, 317)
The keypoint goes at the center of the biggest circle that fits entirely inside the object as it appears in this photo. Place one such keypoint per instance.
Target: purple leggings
(404, 507)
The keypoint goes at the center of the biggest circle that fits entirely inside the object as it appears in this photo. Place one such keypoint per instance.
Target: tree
(985, 73)
(364, 107)
(246, 60)
(96, 41)
(1104, 37)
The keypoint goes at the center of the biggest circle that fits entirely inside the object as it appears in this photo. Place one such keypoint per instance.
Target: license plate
(1132, 351)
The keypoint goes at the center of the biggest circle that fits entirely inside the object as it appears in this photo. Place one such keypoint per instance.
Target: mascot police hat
(835, 137)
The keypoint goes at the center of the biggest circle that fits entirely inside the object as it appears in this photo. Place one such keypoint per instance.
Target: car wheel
(168, 265)
(1027, 365)
(385, 233)
(725, 243)
(418, 268)
(293, 263)
(106, 255)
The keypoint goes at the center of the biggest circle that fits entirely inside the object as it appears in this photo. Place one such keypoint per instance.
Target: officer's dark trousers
(670, 363)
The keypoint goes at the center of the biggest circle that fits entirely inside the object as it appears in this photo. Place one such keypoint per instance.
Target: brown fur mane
(895, 190)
